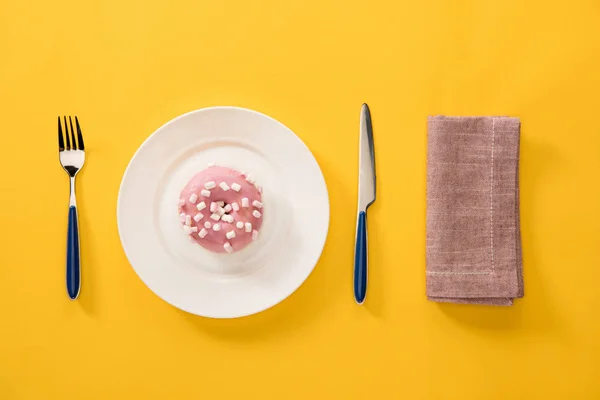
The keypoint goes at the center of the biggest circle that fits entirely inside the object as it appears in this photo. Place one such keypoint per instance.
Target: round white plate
(296, 213)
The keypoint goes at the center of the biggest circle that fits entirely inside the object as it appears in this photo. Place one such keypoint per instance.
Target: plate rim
(208, 109)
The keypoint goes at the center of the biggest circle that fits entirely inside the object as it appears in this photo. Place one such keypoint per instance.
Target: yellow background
(125, 68)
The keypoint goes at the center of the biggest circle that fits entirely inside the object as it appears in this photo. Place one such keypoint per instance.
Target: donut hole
(224, 205)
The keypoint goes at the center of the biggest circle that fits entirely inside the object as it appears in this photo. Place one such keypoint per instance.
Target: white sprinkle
(193, 198)
(211, 164)
(256, 214)
(207, 224)
(260, 189)
(182, 217)
(205, 193)
(239, 225)
(220, 211)
(216, 217)
(236, 187)
(181, 202)
(213, 207)
(189, 230)
(248, 227)
(201, 206)
(221, 203)
(250, 179)
(198, 217)
(230, 235)
(210, 185)
(254, 235)
(235, 206)
(228, 208)
(224, 186)
(245, 202)
(203, 233)
(227, 218)
(216, 227)
(188, 220)
(228, 247)
(257, 204)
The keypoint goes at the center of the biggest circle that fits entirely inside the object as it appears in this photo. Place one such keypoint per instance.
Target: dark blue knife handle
(360, 259)
(73, 265)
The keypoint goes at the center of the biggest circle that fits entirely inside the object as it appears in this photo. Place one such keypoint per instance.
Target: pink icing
(215, 240)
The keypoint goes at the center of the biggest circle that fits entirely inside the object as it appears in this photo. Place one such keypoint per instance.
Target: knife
(366, 197)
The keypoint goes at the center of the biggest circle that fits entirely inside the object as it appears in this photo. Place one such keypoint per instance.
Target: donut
(221, 209)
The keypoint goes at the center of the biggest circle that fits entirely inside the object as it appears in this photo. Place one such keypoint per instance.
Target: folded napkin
(473, 230)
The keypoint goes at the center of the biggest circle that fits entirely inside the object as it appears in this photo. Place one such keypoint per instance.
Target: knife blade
(366, 197)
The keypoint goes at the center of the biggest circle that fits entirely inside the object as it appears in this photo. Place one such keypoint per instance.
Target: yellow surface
(127, 67)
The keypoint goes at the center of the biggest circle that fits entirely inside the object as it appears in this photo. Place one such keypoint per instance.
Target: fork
(72, 157)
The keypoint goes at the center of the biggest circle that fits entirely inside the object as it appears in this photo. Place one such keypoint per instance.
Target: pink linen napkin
(473, 230)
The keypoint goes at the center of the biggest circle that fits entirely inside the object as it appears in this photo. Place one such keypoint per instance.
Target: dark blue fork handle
(73, 265)
(360, 259)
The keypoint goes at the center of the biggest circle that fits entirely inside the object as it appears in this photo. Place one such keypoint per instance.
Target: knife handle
(361, 259)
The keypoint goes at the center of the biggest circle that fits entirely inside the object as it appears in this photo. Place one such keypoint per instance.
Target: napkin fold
(473, 230)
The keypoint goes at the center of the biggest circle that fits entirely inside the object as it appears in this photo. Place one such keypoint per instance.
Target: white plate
(296, 213)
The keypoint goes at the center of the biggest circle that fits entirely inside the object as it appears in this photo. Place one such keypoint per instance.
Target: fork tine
(67, 133)
(73, 134)
(61, 142)
(79, 135)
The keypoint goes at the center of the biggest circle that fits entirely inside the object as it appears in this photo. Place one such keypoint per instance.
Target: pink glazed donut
(221, 209)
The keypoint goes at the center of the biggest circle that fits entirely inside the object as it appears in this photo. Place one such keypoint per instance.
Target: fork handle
(73, 265)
